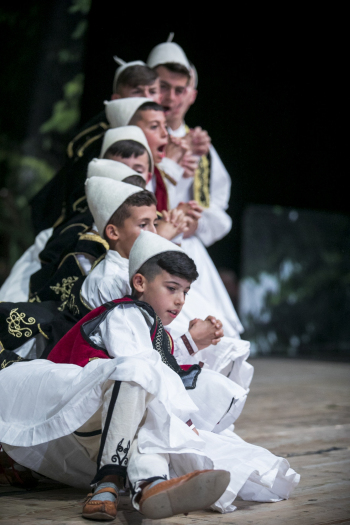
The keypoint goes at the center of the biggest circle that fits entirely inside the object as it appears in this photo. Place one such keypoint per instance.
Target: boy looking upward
(131, 79)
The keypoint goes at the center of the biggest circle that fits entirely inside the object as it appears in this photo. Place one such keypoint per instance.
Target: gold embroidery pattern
(201, 183)
(67, 298)
(35, 299)
(5, 363)
(1, 347)
(77, 205)
(201, 192)
(42, 332)
(14, 324)
(70, 150)
(95, 237)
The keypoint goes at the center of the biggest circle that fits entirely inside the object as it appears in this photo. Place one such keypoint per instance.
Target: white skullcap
(148, 245)
(166, 53)
(194, 76)
(125, 133)
(123, 65)
(119, 112)
(109, 169)
(104, 197)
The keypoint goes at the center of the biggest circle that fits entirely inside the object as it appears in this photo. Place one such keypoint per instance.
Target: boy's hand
(191, 227)
(199, 141)
(191, 208)
(206, 333)
(176, 149)
(190, 163)
(172, 224)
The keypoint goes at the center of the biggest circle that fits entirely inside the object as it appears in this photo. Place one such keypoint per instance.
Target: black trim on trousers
(112, 402)
(109, 470)
(88, 434)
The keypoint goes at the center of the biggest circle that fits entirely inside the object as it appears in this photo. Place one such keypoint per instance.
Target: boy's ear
(111, 232)
(115, 96)
(139, 282)
(194, 96)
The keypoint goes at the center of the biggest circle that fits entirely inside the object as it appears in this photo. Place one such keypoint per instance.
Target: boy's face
(166, 294)
(173, 90)
(152, 91)
(153, 124)
(139, 164)
(123, 237)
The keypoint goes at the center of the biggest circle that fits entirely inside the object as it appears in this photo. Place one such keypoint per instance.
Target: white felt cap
(104, 197)
(125, 133)
(166, 53)
(148, 245)
(119, 112)
(110, 169)
(122, 67)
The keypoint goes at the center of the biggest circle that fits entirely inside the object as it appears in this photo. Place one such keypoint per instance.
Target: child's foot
(195, 491)
(102, 504)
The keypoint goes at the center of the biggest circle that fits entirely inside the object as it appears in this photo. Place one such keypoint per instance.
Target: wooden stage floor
(296, 409)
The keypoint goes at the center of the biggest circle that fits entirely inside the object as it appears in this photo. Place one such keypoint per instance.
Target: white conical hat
(104, 197)
(109, 169)
(148, 245)
(166, 53)
(123, 65)
(125, 133)
(119, 112)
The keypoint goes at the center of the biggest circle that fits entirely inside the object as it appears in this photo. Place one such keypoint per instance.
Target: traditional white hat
(123, 65)
(104, 197)
(109, 169)
(194, 76)
(119, 112)
(148, 245)
(125, 133)
(166, 53)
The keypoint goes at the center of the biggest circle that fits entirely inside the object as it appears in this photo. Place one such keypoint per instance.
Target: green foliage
(66, 112)
(295, 293)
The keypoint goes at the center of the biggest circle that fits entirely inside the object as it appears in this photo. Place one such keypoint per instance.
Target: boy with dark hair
(141, 390)
(210, 186)
(121, 226)
(135, 79)
(47, 205)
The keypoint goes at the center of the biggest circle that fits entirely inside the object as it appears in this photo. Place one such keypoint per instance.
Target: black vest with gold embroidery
(61, 275)
(52, 205)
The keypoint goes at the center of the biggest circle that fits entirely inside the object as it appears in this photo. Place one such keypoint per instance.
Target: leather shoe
(195, 491)
(100, 510)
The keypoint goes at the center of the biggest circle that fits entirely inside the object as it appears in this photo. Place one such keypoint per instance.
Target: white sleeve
(16, 286)
(185, 350)
(125, 332)
(96, 291)
(215, 223)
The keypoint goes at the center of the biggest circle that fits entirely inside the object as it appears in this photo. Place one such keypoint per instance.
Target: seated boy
(110, 278)
(129, 371)
(16, 286)
(48, 202)
(112, 398)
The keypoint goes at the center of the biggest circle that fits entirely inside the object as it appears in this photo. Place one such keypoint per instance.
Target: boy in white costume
(210, 186)
(16, 286)
(68, 434)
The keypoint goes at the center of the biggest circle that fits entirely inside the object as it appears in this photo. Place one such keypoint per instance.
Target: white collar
(179, 132)
(114, 256)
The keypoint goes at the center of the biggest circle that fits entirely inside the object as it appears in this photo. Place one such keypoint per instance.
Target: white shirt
(214, 223)
(109, 281)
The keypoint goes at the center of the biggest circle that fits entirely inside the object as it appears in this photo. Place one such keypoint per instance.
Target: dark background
(270, 87)
(268, 96)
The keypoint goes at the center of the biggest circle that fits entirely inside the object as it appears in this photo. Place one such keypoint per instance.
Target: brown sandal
(100, 510)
